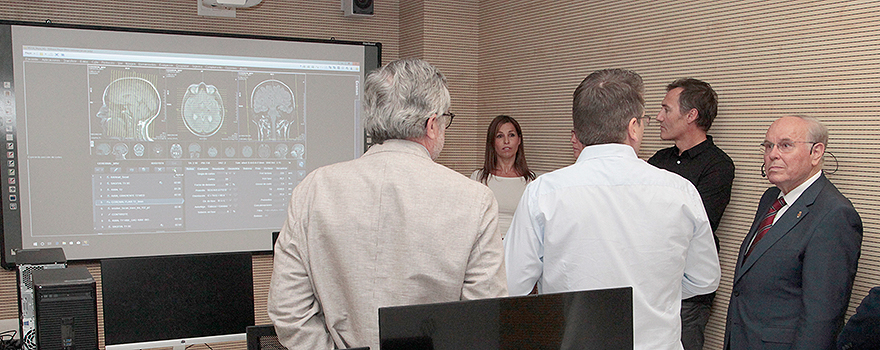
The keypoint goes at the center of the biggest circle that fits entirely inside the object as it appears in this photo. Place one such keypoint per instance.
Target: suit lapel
(794, 214)
(765, 203)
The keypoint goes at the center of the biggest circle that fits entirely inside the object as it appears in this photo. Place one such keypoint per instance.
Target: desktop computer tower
(66, 309)
(28, 261)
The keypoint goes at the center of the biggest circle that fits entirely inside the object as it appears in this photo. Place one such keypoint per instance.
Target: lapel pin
(799, 214)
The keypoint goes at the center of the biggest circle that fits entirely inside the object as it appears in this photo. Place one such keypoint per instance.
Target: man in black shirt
(685, 116)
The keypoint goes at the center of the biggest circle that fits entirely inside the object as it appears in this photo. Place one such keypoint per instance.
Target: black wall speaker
(66, 308)
(357, 8)
(28, 261)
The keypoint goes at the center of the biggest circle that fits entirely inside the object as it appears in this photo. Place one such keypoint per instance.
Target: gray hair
(816, 131)
(604, 103)
(400, 97)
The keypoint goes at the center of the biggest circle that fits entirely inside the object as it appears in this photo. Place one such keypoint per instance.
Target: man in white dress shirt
(612, 220)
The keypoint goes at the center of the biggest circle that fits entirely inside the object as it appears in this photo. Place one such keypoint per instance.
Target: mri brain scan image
(281, 151)
(264, 151)
(129, 107)
(102, 149)
(120, 150)
(203, 110)
(274, 111)
(176, 151)
(298, 151)
(138, 149)
(195, 150)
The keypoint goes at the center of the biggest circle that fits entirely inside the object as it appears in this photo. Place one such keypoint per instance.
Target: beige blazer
(390, 228)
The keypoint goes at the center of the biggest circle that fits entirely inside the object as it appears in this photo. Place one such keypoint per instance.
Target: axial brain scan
(203, 110)
(130, 106)
(274, 111)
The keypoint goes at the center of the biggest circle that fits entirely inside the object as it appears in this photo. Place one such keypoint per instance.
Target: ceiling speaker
(357, 8)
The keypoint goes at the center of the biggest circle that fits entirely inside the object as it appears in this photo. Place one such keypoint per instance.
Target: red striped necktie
(766, 223)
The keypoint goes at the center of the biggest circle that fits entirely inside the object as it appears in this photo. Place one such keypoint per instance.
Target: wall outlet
(9, 325)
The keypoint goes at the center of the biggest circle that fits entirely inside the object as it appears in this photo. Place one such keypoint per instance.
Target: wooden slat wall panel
(765, 59)
(450, 34)
(318, 19)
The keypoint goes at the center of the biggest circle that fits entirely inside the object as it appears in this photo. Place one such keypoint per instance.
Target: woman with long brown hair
(504, 169)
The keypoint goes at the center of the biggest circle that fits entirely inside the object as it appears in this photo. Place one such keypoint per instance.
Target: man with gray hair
(796, 266)
(390, 228)
(612, 220)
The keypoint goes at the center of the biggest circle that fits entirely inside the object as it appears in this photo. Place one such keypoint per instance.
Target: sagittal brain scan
(281, 151)
(274, 111)
(203, 110)
(130, 106)
(120, 150)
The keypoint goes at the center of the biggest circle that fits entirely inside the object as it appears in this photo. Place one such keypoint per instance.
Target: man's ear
(817, 152)
(433, 128)
(632, 130)
(692, 115)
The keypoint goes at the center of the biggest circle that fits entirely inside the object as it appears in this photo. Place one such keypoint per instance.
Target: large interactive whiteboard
(121, 142)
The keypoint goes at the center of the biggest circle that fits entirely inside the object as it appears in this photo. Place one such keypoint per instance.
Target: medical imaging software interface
(170, 142)
(217, 128)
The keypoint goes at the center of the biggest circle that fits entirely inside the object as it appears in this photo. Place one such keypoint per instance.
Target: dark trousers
(695, 314)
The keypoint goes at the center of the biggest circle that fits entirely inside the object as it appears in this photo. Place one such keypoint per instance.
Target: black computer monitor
(593, 319)
(177, 301)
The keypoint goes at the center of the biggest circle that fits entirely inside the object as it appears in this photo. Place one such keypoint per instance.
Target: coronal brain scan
(195, 150)
(203, 110)
(129, 107)
(264, 151)
(138, 149)
(275, 111)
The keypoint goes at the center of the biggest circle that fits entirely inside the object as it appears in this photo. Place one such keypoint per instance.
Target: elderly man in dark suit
(796, 266)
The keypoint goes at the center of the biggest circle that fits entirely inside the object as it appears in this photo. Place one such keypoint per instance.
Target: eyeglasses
(448, 121)
(784, 146)
(450, 115)
(648, 119)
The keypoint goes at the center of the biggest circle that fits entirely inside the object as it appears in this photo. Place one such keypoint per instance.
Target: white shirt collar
(792, 196)
(607, 149)
(796, 193)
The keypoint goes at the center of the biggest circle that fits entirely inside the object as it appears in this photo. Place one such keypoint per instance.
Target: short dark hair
(699, 95)
(604, 103)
